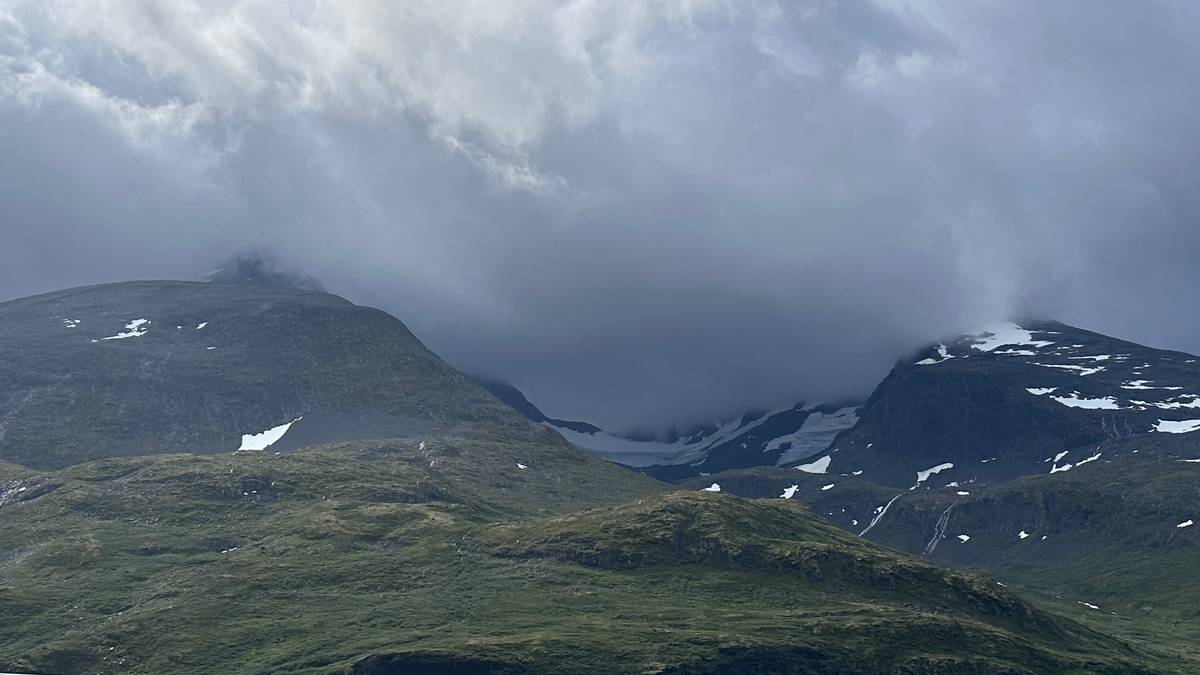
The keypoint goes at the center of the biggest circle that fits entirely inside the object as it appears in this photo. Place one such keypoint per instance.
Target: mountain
(1063, 461)
(1017, 400)
(162, 366)
(757, 438)
(517, 401)
(402, 519)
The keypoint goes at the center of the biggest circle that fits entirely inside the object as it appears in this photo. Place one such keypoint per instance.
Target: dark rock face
(1009, 409)
(151, 367)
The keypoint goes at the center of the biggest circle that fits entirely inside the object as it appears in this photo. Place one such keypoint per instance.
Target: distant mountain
(165, 366)
(1064, 461)
(1015, 400)
(758, 438)
(515, 399)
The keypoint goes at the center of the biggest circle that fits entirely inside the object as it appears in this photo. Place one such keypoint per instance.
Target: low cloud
(640, 213)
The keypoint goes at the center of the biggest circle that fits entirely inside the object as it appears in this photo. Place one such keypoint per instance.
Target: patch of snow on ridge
(1022, 535)
(201, 326)
(1186, 523)
(964, 538)
(1177, 426)
(827, 487)
(1173, 404)
(521, 466)
(1075, 401)
(1088, 605)
(1005, 333)
(814, 435)
(265, 439)
(1041, 391)
(1145, 384)
(943, 355)
(923, 476)
(789, 492)
(715, 487)
(1079, 369)
(133, 329)
(819, 466)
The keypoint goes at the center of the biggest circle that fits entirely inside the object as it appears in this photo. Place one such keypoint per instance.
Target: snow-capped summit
(1015, 399)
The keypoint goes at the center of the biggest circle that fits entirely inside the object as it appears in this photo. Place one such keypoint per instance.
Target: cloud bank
(641, 213)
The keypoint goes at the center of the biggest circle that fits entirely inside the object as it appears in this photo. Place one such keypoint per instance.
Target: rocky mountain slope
(1016, 401)
(149, 367)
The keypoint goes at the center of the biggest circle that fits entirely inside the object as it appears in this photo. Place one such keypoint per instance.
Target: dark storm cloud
(640, 213)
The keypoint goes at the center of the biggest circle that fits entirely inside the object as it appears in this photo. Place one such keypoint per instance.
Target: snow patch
(135, 328)
(1177, 426)
(1174, 404)
(964, 538)
(1005, 333)
(789, 492)
(880, 511)
(1022, 535)
(819, 466)
(201, 326)
(1186, 523)
(814, 435)
(1041, 391)
(715, 487)
(1075, 401)
(1145, 384)
(1088, 605)
(521, 466)
(1078, 369)
(827, 487)
(943, 355)
(265, 439)
(923, 476)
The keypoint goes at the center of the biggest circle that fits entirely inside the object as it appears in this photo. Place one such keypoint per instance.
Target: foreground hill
(1113, 542)
(452, 557)
(151, 367)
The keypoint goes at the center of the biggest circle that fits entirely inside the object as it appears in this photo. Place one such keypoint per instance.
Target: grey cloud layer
(638, 212)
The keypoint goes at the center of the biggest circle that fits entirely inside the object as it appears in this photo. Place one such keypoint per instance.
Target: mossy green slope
(449, 557)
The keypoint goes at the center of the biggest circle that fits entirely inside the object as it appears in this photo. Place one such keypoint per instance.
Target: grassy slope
(1110, 528)
(258, 562)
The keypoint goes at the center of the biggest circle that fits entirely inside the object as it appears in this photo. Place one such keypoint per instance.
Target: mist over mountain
(640, 214)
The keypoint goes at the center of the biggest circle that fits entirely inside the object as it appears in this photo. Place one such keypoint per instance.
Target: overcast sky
(638, 212)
